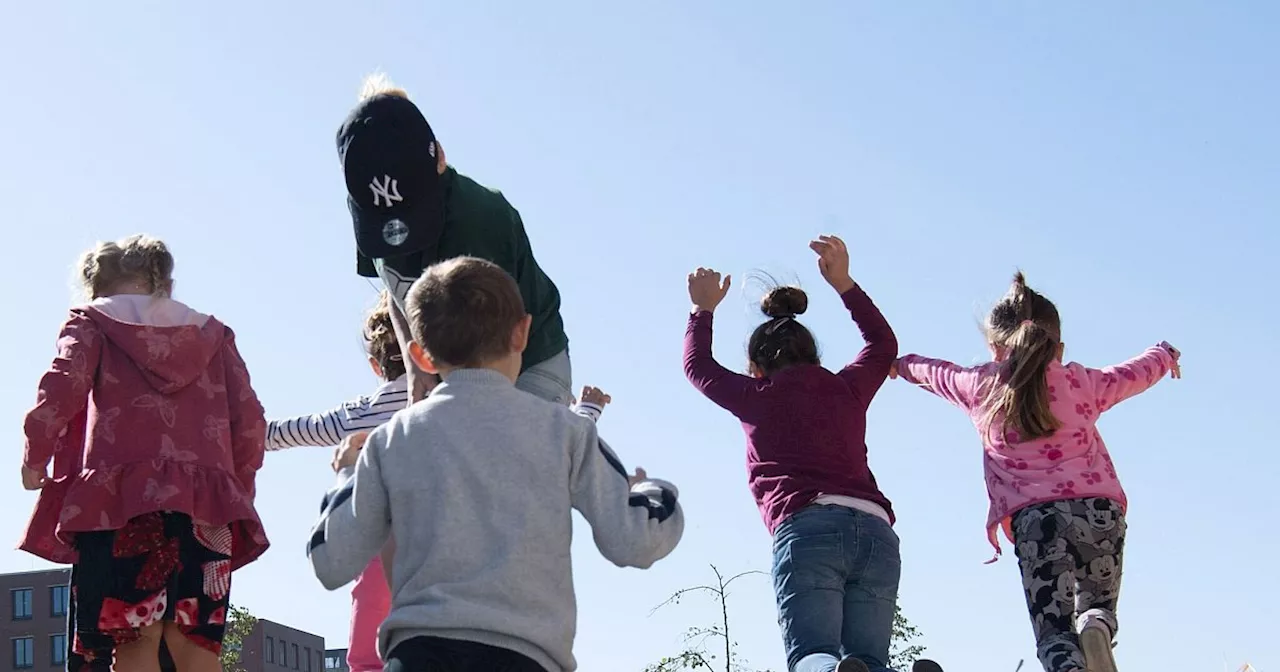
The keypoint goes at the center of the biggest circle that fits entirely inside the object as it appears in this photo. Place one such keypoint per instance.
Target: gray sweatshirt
(476, 484)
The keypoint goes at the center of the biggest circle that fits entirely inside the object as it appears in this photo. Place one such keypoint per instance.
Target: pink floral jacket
(147, 407)
(1073, 462)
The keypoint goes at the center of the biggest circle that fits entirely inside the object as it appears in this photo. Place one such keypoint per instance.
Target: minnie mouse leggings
(1070, 553)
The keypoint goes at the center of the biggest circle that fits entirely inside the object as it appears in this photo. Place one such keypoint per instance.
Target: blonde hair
(1027, 327)
(138, 258)
(378, 83)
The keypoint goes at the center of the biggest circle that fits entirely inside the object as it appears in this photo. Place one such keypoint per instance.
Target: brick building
(35, 625)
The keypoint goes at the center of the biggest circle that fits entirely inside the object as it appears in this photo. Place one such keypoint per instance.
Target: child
(155, 435)
(836, 563)
(476, 484)
(1050, 479)
(371, 596)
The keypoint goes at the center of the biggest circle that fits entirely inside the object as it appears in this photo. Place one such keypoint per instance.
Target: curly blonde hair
(380, 339)
(138, 258)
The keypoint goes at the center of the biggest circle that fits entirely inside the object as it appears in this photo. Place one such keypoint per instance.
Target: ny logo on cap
(385, 194)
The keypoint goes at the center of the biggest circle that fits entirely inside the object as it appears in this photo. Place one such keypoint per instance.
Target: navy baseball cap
(389, 153)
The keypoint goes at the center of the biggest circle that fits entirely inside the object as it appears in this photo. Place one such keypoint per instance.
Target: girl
(155, 437)
(1050, 479)
(345, 426)
(836, 563)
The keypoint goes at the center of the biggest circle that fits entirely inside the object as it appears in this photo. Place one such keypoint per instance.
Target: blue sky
(1119, 153)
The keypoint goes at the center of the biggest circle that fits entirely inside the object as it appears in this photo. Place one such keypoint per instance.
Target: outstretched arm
(1114, 384)
(633, 525)
(64, 389)
(331, 427)
(729, 390)
(952, 382)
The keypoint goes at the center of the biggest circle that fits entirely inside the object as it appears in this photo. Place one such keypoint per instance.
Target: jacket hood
(170, 343)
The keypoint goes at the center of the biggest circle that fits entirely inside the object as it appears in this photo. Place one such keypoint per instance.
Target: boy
(476, 485)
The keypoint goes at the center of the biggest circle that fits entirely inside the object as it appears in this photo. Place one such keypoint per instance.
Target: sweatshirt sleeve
(331, 427)
(64, 389)
(870, 368)
(731, 391)
(952, 382)
(355, 519)
(633, 526)
(1114, 384)
(248, 420)
(588, 410)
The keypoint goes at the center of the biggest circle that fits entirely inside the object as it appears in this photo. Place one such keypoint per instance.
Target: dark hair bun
(784, 302)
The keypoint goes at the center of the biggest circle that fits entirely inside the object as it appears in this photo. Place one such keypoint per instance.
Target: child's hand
(638, 477)
(348, 451)
(596, 396)
(833, 262)
(706, 291)
(34, 480)
(893, 370)
(1176, 369)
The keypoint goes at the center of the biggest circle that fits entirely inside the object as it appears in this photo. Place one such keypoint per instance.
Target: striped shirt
(358, 415)
(331, 427)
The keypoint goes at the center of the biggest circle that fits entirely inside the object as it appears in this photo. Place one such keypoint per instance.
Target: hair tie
(1028, 323)
(778, 322)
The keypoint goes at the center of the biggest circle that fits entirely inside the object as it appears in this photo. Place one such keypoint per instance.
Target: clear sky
(1119, 152)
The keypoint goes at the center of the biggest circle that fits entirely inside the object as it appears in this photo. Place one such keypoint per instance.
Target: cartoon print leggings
(1071, 554)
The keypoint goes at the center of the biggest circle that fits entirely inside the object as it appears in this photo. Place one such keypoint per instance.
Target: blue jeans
(835, 572)
(551, 380)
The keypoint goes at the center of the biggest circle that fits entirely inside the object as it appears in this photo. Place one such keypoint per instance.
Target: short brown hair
(463, 311)
(138, 258)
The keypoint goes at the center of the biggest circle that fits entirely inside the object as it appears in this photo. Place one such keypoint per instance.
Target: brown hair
(1026, 326)
(139, 258)
(782, 341)
(380, 339)
(462, 311)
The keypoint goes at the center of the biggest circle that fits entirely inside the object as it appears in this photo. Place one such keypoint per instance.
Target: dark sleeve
(731, 391)
(364, 266)
(870, 368)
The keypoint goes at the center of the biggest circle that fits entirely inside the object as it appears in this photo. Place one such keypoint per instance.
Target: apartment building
(36, 628)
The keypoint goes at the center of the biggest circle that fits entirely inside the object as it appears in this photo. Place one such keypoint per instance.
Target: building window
(332, 663)
(283, 658)
(24, 653)
(295, 656)
(21, 604)
(59, 600)
(271, 650)
(58, 649)
(306, 659)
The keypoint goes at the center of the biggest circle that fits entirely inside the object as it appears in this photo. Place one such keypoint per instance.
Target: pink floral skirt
(158, 567)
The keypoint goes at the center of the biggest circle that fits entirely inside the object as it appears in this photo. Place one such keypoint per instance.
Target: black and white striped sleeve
(331, 427)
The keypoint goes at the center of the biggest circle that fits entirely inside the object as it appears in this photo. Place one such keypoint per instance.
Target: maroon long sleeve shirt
(806, 426)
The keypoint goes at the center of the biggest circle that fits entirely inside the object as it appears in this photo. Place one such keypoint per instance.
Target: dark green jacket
(479, 222)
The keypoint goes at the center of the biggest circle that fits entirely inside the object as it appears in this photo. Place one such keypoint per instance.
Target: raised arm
(355, 519)
(248, 421)
(64, 389)
(633, 525)
(331, 427)
(1114, 384)
(868, 371)
(952, 382)
(725, 388)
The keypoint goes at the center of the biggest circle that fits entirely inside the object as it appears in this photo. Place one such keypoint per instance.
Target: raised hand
(596, 396)
(833, 262)
(706, 291)
(1176, 369)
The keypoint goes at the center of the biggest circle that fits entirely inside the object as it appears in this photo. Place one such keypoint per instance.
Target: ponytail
(1026, 327)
